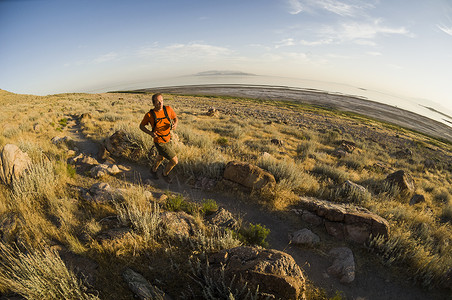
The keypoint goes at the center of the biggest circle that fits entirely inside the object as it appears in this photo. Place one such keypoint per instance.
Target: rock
(305, 237)
(213, 112)
(339, 153)
(277, 142)
(13, 163)
(344, 148)
(223, 218)
(345, 221)
(275, 272)
(113, 234)
(10, 226)
(121, 145)
(178, 223)
(403, 180)
(36, 127)
(141, 287)
(417, 199)
(83, 159)
(63, 140)
(248, 175)
(160, 197)
(343, 265)
(104, 169)
(102, 192)
(85, 116)
(311, 218)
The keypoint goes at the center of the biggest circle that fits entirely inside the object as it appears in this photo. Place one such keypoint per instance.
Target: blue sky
(397, 46)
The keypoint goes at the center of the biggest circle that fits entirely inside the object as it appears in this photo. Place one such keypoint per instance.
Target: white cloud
(285, 43)
(374, 53)
(445, 29)
(360, 32)
(295, 7)
(347, 8)
(106, 57)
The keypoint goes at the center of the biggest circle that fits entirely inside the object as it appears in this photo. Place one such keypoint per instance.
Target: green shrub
(71, 171)
(63, 122)
(209, 206)
(254, 234)
(222, 141)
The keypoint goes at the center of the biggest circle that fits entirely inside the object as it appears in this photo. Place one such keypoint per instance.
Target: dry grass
(42, 209)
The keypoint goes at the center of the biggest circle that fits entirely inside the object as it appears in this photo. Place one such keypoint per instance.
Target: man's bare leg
(171, 164)
(158, 161)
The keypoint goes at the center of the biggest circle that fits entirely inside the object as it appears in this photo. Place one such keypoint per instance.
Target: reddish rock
(248, 175)
(403, 180)
(275, 272)
(335, 229)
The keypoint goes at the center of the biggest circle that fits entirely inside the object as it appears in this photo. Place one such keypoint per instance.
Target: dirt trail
(372, 281)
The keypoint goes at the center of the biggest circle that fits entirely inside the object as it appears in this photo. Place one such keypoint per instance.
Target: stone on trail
(305, 237)
(104, 169)
(13, 163)
(343, 265)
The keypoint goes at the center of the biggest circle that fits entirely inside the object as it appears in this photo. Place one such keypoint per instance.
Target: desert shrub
(10, 132)
(209, 206)
(138, 138)
(216, 286)
(194, 137)
(176, 202)
(428, 268)
(62, 122)
(222, 141)
(213, 239)
(196, 162)
(140, 213)
(39, 274)
(261, 146)
(442, 196)
(353, 162)
(290, 172)
(40, 181)
(254, 234)
(350, 194)
(447, 211)
(331, 136)
(112, 117)
(336, 174)
(306, 148)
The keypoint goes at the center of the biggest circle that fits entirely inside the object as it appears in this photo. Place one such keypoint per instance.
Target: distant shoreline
(339, 101)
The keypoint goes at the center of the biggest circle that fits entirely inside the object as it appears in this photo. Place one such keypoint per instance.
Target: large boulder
(275, 272)
(13, 163)
(402, 180)
(248, 175)
(344, 220)
(121, 145)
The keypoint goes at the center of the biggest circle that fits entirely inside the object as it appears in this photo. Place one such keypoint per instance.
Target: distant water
(430, 110)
